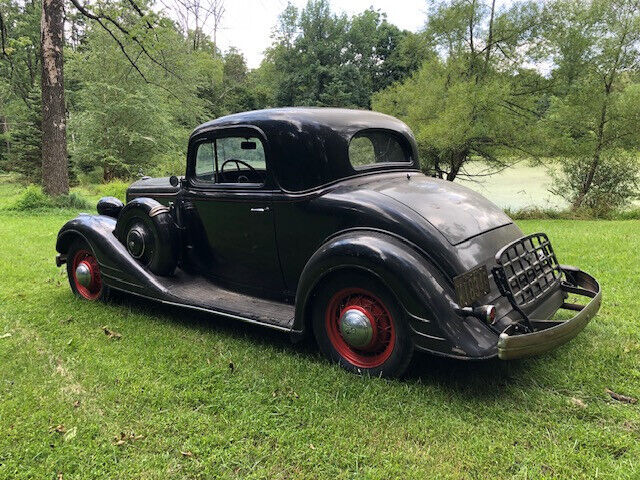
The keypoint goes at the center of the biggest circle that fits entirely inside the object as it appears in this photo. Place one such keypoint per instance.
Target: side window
(361, 152)
(205, 162)
(369, 148)
(231, 160)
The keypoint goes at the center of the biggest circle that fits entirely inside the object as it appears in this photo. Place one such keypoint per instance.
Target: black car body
(283, 209)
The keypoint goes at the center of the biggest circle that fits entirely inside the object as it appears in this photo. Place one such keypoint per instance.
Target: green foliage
(475, 98)
(594, 113)
(614, 185)
(33, 199)
(24, 155)
(73, 201)
(120, 130)
(122, 124)
(325, 59)
(583, 213)
(20, 103)
(115, 188)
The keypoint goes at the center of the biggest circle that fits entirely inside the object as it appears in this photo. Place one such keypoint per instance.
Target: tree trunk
(55, 169)
(596, 154)
(4, 128)
(490, 37)
(456, 164)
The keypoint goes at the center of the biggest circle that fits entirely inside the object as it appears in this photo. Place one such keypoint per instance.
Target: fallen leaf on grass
(111, 333)
(621, 398)
(58, 429)
(126, 437)
(60, 476)
(187, 454)
(6, 335)
(311, 446)
(578, 403)
(76, 404)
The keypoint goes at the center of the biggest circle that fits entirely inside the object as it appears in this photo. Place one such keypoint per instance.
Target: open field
(183, 395)
(519, 187)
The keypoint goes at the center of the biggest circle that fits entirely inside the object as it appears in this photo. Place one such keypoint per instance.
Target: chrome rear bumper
(550, 334)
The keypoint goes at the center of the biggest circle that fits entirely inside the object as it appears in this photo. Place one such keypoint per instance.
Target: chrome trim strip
(157, 210)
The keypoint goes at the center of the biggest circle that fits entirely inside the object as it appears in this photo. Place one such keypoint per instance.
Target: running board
(198, 293)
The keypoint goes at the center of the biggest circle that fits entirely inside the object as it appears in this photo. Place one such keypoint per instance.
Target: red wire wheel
(85, 258)
(383, 333)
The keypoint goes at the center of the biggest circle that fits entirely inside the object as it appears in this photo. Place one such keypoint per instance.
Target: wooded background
(109, 89)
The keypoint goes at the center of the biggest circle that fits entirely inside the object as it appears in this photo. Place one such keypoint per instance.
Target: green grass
(130, 407)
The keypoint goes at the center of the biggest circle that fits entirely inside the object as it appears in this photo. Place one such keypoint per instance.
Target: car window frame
(240, 131)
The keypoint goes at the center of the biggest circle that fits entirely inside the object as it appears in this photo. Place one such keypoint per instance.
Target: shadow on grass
(481, 378)
(485, 378)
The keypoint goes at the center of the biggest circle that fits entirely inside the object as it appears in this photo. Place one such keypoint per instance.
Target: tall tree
(321, 58)
(55, 172)
(595, 115)
(20, 86)
(475, 98)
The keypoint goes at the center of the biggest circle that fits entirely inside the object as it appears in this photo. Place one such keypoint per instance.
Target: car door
(230, 187)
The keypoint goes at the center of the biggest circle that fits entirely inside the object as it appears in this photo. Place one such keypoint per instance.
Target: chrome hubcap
(83, 274)
(356, 328)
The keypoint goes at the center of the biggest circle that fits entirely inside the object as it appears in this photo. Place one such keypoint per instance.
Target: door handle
(260, 209)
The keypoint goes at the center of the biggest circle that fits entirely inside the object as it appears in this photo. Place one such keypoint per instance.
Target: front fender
(117, 267)
(422, 290)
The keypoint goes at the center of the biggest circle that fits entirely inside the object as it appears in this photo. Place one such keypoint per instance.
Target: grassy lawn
(182, 395)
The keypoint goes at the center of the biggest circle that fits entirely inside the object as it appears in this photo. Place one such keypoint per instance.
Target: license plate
(472, 285)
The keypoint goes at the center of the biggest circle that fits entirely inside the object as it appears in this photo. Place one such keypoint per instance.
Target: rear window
(371, 148)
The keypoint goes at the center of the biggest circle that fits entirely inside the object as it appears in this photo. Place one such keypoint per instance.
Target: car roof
(309, 146)
(338, 119)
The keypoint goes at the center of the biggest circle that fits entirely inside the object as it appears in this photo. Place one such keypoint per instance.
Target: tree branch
(99, 17)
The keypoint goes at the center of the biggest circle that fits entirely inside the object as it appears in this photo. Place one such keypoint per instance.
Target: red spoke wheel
(83, 271)
(360, 327)
(359, 324)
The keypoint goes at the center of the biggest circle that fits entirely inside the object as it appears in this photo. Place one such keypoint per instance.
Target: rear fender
(425, 294)
(118, 269)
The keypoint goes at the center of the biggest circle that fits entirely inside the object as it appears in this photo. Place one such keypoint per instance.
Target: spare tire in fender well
(154, 234)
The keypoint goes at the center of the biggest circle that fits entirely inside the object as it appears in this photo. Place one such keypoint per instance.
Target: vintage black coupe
(319, 221)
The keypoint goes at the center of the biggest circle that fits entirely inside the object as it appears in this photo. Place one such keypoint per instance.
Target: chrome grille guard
(527, 271)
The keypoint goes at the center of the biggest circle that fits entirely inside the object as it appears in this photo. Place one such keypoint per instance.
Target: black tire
(396, 348)
(81, 251)
(151, 240)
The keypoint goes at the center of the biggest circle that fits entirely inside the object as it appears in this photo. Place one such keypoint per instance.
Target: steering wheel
(238, 163)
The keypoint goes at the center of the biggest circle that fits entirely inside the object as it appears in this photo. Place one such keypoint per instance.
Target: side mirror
(174, 181)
